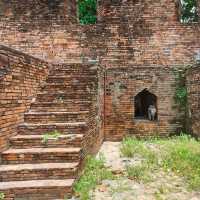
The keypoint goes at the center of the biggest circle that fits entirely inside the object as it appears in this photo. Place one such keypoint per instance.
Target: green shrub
(189, 11)
(87, 11)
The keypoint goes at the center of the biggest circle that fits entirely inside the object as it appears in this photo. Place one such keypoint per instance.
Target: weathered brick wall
(20, 78)
(146, 33)
(30, 13)
(43, 29)
(122, 85)
(193, 89)
(142, 38)
(132, 35)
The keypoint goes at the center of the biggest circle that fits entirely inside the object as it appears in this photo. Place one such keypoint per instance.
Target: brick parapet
(21, 78)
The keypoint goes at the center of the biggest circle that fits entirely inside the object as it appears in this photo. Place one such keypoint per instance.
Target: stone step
(73, 78)
(76, 67)
(73, 72)
(69, 106)
(41, 171)
(62, 96)
(51, 117)
(64, 128)
(40, 155)
(60, 87)
(37, 189)
(36, 141)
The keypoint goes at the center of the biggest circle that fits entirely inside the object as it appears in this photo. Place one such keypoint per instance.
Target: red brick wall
(122, 85)
(20, 78)
(137, 36)
(146, 33)
(41, 29)
(142, 38)
(193, 89)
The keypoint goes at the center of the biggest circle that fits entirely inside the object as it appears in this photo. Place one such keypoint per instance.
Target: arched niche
(142, 101)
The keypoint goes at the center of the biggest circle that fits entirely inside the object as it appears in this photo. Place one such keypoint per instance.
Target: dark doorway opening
(143, 101)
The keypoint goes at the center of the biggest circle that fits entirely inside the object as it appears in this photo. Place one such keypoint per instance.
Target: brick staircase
(34, 169)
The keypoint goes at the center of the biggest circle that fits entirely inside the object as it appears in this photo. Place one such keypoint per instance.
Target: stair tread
(66, 102)
(60, 112)
(56, 124)
(41, 136)
(47, 166)
(59, 93)
(36, 184)
(43, 150)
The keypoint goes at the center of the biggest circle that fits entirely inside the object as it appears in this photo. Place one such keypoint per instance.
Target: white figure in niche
(152, 112)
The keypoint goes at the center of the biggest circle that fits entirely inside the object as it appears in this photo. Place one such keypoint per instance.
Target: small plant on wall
(87, 11)
(2, 196)
(188, 11)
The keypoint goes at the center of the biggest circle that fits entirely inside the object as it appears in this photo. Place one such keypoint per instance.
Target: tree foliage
(87, 11)
(189, 11)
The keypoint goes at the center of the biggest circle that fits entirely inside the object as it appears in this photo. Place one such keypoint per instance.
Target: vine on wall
(181, 90)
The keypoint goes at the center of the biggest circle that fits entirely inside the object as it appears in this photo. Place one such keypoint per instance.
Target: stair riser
(38, 174)
(65, 130)
(62, 97)
(69, 89)
(34, 143)
(48, 193)
(73, 72)
(72, 79)
(44, 157)
(56, 108)
(54, 118)
(68, 107)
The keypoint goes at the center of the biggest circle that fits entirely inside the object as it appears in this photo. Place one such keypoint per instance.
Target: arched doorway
(142, 102)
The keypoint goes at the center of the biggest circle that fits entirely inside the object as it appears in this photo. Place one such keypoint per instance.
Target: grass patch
(93, 174)
(51, 135)
(180, 154)
(133, 147)
(2, 196)
(138, 173)
(120, 188)
(183, 158)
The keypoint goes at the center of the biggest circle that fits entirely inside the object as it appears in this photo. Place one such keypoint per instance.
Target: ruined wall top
(157, 12)
(38, 11)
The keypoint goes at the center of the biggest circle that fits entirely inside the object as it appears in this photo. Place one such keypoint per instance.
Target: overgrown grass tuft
(138, 173)
(180, 154)
(94, 173)
(133, 147)
(51, 135)
(2, 196)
